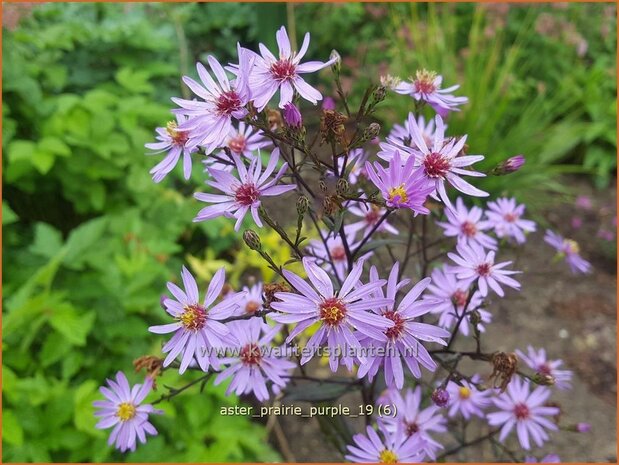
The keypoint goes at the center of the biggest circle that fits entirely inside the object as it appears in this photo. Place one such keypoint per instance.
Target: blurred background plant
(89, 239)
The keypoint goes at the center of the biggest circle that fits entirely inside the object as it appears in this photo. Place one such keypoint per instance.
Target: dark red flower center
(250, 354)
(372, 216)
(228, 102)
(459, 298)
(511, 217)
(397, 329)
(521, 411)
(247, 194)
(544, 369)
(193, 317)
(468, 229)
(283, 70)
(411, 428)
(483, 269)
(338, 253)
(332, 311)
(436, 165)
(238, 143)
(424, 81)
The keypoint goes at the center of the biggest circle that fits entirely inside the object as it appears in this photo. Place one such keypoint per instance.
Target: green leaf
(12, 431)
(47, 240)
(55, 146)
(83, 416)
(8, 215)
(67, 321)
(83, 238)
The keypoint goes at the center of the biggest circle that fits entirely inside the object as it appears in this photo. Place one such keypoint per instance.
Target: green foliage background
(89, 240)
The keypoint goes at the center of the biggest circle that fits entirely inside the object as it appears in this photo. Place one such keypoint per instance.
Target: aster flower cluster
(360, 293)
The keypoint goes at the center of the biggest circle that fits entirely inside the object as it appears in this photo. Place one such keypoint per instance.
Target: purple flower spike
(401, 186)
(122, 410)
(475, 264)
(426, 87)
(210, 120)
(570, 250)
(197, 332)
(525, 410)
(173, 141)
(283, 73)
(338, 313)
(397, 447)
(243, 194)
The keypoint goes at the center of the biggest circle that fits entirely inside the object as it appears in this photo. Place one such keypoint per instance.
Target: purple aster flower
(395, 448)
(467, 225)
(570, 250)
(355, 165)
(338, 313)
(369, 214)
(525, 410)
(252, 301)
(401, 186)
(550, 458)
(283, 73)
(426, 87)
(243, 194)
(197, 331)
(332, 255)
(583, 427)
(292, 116)
(505, 216)
(210, 120)
(253, 363)
(475, 264)
(403, 339)
(245, 140)
(467, 400)
(441, 162)
(537, 360)
(449, 297)
(173, 141)
(122, 409)
(415, 421)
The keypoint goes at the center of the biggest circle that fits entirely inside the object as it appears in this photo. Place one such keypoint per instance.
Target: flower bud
(302, 205)
(379, 94)
(370, 132)
(510, 165)
(543, 379)
(440, 397)
(338, 60)
(342, 187)
(292, 116)
(252, 240)
(475, 318)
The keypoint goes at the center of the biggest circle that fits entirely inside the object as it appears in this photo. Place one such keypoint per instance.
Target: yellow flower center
(388, 456)
(398, 192)
(193, 318)
(571, 246)
(126, 411)
(464, 392)
(172, 129)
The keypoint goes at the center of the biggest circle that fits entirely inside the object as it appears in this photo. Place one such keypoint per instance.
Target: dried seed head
(270, 290)
(332, 127)
(504, 367)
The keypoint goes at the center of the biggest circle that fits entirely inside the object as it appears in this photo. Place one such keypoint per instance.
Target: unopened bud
(371, 132)
(252, 239)
(440, 397)
(292, 116)
(510, 165)
(337, 61)
(379, 93)
(475, 318)
(302, 205)
(342, 187)
(583, 427)
(543, 379)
